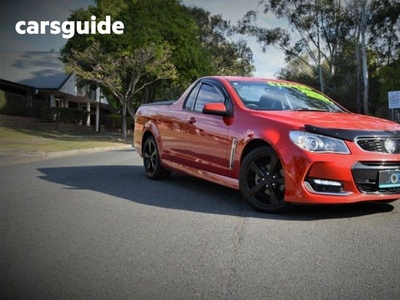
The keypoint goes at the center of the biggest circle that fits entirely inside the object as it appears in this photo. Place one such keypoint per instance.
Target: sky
(267, 64)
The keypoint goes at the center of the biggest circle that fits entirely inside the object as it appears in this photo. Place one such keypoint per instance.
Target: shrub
(64, 115)
(13, 104)
(3, 101)
(17, 105)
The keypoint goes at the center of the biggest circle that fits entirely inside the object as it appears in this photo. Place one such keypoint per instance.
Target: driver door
(206, 136)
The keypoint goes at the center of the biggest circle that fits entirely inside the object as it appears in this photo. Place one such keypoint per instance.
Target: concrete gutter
(10, 157)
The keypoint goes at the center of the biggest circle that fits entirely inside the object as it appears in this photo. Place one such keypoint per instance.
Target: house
(41, 74)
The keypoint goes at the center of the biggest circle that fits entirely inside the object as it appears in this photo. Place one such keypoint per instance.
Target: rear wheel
(262, 181)
(151, 160)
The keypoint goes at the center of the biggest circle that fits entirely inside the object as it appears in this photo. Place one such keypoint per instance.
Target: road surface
(93, 227)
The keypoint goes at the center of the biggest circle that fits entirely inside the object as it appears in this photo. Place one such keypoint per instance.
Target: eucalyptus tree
(330, 36)
(376, 31)
(316, 29)
(384, 29)
(228, 56)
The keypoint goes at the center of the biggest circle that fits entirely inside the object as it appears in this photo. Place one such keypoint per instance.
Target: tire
(262, 181)
(151, 160)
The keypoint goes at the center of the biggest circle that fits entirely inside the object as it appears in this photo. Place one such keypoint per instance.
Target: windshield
(283, 96)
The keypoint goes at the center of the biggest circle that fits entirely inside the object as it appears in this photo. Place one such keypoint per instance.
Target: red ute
(277, 142)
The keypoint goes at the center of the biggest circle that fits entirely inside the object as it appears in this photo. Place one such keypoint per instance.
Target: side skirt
(219, 179)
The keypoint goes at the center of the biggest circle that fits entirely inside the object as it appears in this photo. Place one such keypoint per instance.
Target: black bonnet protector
(349, 134)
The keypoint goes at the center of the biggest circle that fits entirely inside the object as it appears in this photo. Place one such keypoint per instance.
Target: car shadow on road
(183, 192)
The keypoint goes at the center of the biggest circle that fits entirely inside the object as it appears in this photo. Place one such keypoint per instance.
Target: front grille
(366, 176)
(378, 144)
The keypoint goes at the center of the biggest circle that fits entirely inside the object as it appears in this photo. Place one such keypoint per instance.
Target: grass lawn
(47, 141)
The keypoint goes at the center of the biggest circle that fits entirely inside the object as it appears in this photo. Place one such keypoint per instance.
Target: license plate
(389, 179)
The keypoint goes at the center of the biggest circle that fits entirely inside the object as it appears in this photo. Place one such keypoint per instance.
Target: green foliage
(390, 75)
(157, 35)
(225, 56)
(167, 21)
(147, 23)
(64, 115)
(389, 81)
(18, 105)
(169, 25)
(3, 101)
(14, 105)
(384, 29)
(326, 36)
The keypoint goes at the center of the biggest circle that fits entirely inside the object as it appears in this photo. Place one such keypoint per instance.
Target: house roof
(38, 70)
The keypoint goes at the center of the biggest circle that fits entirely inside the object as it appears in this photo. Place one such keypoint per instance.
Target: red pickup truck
(277, 142)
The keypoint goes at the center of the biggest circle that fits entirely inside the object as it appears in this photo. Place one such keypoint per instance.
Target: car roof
(249, 79)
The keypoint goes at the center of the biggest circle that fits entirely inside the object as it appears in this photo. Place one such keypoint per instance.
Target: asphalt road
(93, 227)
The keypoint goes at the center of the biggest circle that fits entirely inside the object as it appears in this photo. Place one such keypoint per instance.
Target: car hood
(343, 125)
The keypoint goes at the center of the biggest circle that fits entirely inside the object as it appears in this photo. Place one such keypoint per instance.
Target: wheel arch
(151, 158)
(253, 144)
(145, 136)
(262, 179)
(151, 129)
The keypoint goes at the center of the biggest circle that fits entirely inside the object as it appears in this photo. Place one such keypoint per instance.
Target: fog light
(327, 182)
(325, 186)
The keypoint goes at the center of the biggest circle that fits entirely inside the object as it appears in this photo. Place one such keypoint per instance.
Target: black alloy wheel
(262, 181)
(151, 160)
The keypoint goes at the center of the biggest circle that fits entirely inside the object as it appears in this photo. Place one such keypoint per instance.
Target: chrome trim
(382, 140)
(233, 151)
(310, 189)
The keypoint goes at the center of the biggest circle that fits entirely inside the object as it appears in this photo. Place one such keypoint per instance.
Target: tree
(299, 70)
(360, 16)
(319, 30)
(389, 81)
(376, 31)
(384, 28)
(227, 57)
(161, 29)
(121, 75)
(167, 27)
(335, 38)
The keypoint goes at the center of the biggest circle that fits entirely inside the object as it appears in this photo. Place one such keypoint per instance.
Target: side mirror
(218, 109)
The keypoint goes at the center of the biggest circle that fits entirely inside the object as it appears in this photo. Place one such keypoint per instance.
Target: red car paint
(213, 142)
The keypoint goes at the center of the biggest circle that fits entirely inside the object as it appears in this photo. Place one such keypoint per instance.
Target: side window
(208, 94)
(191, 98)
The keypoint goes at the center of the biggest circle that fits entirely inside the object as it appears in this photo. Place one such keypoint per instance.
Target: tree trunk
(320, 73)
(364, 58)
(123, 125)
(358, 57)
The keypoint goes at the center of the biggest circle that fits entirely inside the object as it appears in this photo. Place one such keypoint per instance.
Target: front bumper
(337, 178)
(366, 176)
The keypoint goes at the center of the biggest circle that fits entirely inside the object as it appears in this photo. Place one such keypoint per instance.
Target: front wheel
(151, 160)
(262, 180)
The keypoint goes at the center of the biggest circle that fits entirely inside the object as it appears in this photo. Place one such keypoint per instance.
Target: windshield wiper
(321, 110)
(309, 109)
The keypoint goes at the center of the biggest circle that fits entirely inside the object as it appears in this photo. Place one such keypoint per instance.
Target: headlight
(318, 143)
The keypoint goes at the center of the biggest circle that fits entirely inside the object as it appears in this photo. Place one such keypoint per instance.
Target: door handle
(192, 120)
